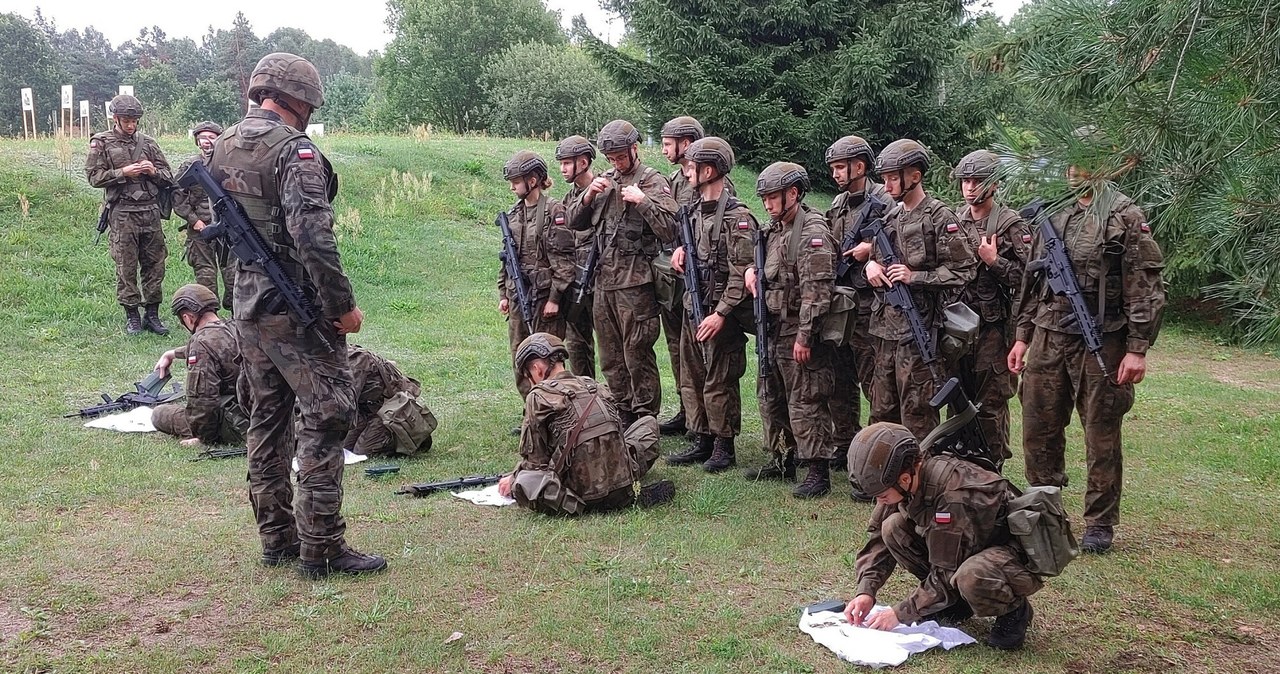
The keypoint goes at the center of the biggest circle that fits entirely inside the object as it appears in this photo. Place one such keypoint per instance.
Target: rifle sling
(562, 458)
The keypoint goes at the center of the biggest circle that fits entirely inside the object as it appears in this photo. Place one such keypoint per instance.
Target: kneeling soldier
(389, 418)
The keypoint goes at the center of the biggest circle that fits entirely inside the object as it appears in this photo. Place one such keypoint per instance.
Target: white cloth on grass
(488, 496)
(878, 648)
(136, 420)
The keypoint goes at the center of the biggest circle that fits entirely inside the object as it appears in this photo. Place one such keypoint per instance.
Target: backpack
(409, 421)
(1038, 520)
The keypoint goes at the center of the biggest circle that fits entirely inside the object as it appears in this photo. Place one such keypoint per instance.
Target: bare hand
(861, 252)
(504, 485)
(199, 225)
(191, 442)
(350, 322)
(987, 250)
(600, 184)
(551, 309)
(875, 274)
(856, 610)
(504, 306)
(1133, 369)
(801, 353)
(166, 360)
(147, 167)
(1017, 357)
(710, 327)
(749, 278)
(884, 620)
(132, 170)
(633, 195)
(899, 273)
(677, 259)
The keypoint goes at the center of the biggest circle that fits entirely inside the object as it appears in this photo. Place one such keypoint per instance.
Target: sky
(362, 30)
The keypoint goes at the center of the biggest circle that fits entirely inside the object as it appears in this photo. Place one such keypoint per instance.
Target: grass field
(118, 554)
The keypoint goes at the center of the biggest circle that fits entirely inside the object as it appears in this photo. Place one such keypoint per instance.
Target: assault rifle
(1058, 272)
(511, 261)
(898, 296)
(872, 211)
(103, 223)
(761, 309)
(692, 275)
(429, 488)
(232, 225)
(581, 286)
(147, 393)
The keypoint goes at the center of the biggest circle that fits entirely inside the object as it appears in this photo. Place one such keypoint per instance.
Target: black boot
(1010, 630)
(697, 451)
(1097, 539)
(628, 417)
(778, 469)
(673, 426)
(348, 561)
(132, 323)
(817, 482)
(722, 456)
(662, 491)
(281, 556)
(151, 321)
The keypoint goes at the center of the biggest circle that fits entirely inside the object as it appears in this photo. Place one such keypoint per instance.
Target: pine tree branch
(1191, 30)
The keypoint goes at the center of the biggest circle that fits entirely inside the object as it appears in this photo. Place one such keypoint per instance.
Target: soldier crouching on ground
(576, 456)
(389, 418)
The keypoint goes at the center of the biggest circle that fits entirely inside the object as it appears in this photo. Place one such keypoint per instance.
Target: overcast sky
(361, 29)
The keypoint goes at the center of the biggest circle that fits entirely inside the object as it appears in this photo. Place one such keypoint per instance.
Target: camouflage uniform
(137, 238)
(207, 258)
(579, 336)
(375, 380)
(673, 317)
(1118, 254)
(599, 472)
(212, 411)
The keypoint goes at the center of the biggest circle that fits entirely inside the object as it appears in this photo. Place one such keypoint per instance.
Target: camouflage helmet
(540, 345)
(125, 105)
(524, 163)
(683, 127)
(851, 147)
(575, 146)
(900, 154)
(617, 136)
(195, 298)
(977, 164)
(779, 176)
(211, 127)
(711, 150)
(880, 453)
(288, 74)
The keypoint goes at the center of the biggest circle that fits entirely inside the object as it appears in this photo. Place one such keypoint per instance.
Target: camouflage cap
(779, 176)
(540, 345)
(575, 146)
(851, 147)
(711, 150)
(211, 127)
(977, 164)
(617, 136)
(880, 453)
(288, 74)
(125, 105)
(194, 298)
(901, 154)
(683, 127)
(523, 163)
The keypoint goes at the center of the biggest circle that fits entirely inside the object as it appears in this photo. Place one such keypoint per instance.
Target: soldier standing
(631, 207)
(547, 250)
(575, 155)
(207, 258)
(268, 165)
(714, 357)
(133, 171)
(799, 277)
(1003, 249)
(1118, 266)
(937, 262)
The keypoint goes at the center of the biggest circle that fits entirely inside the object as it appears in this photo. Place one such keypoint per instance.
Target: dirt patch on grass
(1241, 369)
(12, 624)
(184, 614)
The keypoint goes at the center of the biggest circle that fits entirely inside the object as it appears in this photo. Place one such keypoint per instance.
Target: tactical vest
(630, 235)
(782, 286)
(991, 299)
(135, 193)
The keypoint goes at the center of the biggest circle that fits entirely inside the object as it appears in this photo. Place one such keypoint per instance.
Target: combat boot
(841, 461)
(132, 323)
(860, 496)
(722, 456)
(281, 556)
(152, 320)
(675, 425)
(627, 417)
(1010, 631)
(1097, 539)
(817, 482)
(775, 470)
(698, 451)
(349, 561)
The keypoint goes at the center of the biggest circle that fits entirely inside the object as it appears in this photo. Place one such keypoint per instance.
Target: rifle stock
(692, 275)
(872, 211)
(429, 488)
(763, 365)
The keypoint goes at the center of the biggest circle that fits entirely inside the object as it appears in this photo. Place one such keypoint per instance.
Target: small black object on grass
(379, 471)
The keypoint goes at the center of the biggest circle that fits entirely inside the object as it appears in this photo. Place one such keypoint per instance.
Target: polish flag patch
(952, 228)
(666, 190)
(191, 360)
(942, 518)
(1026, 238)
(1146, 229)
(815, 243)
(744, 224)
(95, 144)
(306, 152)
(559, 219)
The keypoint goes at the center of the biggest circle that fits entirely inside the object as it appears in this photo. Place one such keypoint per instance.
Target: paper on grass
(488, 496)
(136, 420)
(877, 648)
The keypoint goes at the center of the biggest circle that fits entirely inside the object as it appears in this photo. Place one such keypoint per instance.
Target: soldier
(714, 357)
(576, 455)
(937, 262)
(286, 186)
(547, 250)
(631, 207)
(207, 258)
(212, 414)
(942, 519)
(134, 173)
(1005, 244)
(381, 426)
(1118, 266)
(799, 277)
(575, 155)
(851, 160)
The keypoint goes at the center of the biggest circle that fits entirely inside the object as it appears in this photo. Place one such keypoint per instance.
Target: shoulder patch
(306, 152)
(1026, 238)
(952, 227)
(744, 224)
(192, 360)
(815, 242)
(941, 518)
(666, 189)
(560, 219)
(95, 144)
(1146, 229)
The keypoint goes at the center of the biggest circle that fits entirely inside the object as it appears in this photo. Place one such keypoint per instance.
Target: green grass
(119, 554)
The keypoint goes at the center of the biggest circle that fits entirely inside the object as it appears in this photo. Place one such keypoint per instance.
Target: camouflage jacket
(629, 233)
(684, 191)
(1116, 252)
(600, 462)
(725, 234)
(547, 248)
(959, 510)
(799, 273)
(375, 380)
(845, 214)
(994, 289)
(584, 239)
(191, 203)
(212, 372)
(942, 256)
(285, 185)
(111, 151)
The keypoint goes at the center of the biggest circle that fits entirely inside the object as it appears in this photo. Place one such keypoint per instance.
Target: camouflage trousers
(902, 387)
(1061, 374)
(990, 385)
(673, 325)
(208, 259)
(138, 249)
(710, 391)
(795, 402)
(172, 419)
(517, 332)
(369, 436)
(854, 365)
(993, 582)
(641, 440)
(282, 368)
(580, 341)
(626, 323)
